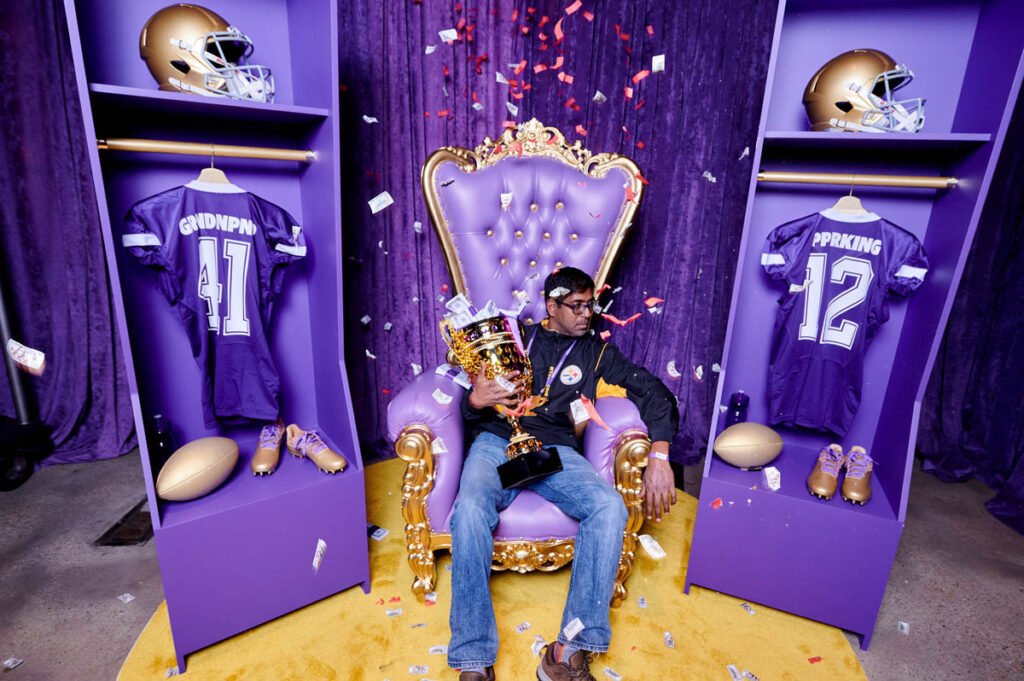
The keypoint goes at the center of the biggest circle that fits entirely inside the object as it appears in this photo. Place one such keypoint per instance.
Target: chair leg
(414, 447)
(631, 457)
(422, 564)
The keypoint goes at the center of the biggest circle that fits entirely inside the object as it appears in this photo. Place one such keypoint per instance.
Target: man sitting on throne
(568, 364)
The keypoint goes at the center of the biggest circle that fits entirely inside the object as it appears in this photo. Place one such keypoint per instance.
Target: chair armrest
(600, 446)
(415, 420)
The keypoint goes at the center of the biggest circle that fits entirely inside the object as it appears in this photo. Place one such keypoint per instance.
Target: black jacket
(595, 360)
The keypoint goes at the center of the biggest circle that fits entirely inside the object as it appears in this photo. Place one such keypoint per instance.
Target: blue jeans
(579, 491)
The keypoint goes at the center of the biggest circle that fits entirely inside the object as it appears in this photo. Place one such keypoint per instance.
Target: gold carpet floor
(350, 637)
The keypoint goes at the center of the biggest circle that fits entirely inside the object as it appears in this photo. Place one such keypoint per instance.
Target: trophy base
(528, 467)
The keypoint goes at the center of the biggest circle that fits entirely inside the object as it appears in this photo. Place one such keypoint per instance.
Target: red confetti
(624, 36)
(379, 602)
(630, 196)
(620, 322)
(593, 216)
(629, 93)
(540, 67)
(558, 31)
(641, 75)
(444, 287)
(516, 95)
(525, 30)
(601, 290)
(813, 660)
(443, 113)
(650, 30)
(395, 599)
(592, 412)
(571, 9)
(639, 145)
(542, 36)
(427, 114)
(652, 301)
(565, 78)
(605, 335)
(618, 29)
(474, 96)
(589, 16)
(641, 178)
(429, 603)
(717, 504)
(519, 69)
(570, 102)
(543, 20)
(446, 71)
(558, 62)
(581, 130)
(515, 14)
(461, 25)
(508, 124)
(640, 104)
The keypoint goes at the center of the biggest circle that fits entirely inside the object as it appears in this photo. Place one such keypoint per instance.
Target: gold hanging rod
(866, 180)
(200, 149)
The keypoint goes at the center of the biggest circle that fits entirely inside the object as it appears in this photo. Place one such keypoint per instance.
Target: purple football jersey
(219, 252)
(839, 269)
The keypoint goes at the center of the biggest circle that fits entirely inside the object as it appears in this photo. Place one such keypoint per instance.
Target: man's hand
(488, 393)
(659, 488)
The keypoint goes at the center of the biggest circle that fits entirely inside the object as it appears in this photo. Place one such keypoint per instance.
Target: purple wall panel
(931, 44)
(117, 24)
(992, 65)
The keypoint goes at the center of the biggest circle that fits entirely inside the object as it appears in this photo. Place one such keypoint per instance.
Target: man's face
(562, 317)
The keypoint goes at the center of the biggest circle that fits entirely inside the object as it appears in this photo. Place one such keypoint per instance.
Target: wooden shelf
(930, 142)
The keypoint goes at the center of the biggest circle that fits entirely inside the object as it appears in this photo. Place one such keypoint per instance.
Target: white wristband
(659, 455)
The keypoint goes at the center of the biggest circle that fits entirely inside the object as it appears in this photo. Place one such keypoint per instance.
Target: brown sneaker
(857, 483)
(268, 451)
(823, 479)
(577, 669)
(307, 443)
(477, 676)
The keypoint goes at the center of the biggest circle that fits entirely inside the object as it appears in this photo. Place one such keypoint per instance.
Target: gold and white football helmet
(855, 92)
(192, 49)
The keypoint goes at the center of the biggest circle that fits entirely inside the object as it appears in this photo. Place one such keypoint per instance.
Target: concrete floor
(958, 581)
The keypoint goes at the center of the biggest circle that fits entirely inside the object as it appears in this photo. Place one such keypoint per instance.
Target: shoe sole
(260, 474)
(858, 502)
(322, 470)
(541, 676)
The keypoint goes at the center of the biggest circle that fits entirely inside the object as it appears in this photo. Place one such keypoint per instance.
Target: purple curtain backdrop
(972, 424)
(698, 115)
(54, 271)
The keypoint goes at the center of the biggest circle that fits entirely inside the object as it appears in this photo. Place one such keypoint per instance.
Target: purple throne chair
(507, 213)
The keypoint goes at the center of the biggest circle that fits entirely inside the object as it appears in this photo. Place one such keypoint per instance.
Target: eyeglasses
(578, 308)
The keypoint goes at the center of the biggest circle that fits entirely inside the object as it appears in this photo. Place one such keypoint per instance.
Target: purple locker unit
(830, 560)
(243, 554)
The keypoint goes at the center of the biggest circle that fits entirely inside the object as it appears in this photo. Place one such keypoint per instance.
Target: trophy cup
(491, 346)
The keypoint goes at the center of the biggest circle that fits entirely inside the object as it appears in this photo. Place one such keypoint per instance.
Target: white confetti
(573, 628)
(558, 292)
(748, 676)
(438, 650)
(716, 368)
(500, 78)
(431, 595)
(478, 106)
(669, 641)
(506, 200)
(746, 152)
(642, 602)
(599, 97)
(418, 669)
(734, 672)
(671, 369)
(25, 356)
(416, 368)
(380, 202)
(365, 319)
(658, 63)
(698, 372)
(746, 606)
(520, 628)
(612, 674)
(318, 555)
(417, 227)
(126, 598)
(430, 49)
(723, 408)
(512, 108)
(370, 355)
(415, 299)
(12, 662)
(903, 627)
(616, 289)
(655, 310)
(370, 119)
(388, 326)
(709, 177)
(448, 35)
(395, 613)
(537, 645)
(437, 446)
(171, 671)
(441, 397)
(772, 478)
(652, 547)
(418, 625)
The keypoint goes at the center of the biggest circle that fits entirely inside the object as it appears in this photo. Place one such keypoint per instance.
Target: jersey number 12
(236, 253)
(845, 332)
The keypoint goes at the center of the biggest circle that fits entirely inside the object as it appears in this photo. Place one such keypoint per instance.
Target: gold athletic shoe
(268, 451)
(857, 483)
(824, 478)
(307, 443)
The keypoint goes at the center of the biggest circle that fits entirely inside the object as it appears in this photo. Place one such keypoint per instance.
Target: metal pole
(198, 149)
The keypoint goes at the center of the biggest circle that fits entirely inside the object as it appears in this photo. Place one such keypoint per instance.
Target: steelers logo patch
(571, 375)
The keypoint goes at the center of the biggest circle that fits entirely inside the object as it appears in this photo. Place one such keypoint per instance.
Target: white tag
(438, 650)
(395, 613)
(669, 641)
(671, 369)
(430, 49)
(370, 119)
(642, 602)
(380, 533)
(573, 628)
(24, 355)
(126, 598)
(599, 97)
(437, 446)
(652, 547)
(506, 200)
(612, 674)
(441, 397)
(579, 412)
(418, 669)
(772, 478)
(657, 63)
(380, 202)
(318, 556)
(448, 35)
(520, 628)
(512, 108)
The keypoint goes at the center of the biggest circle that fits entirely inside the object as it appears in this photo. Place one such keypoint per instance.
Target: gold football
(748, 444)
(197, 468)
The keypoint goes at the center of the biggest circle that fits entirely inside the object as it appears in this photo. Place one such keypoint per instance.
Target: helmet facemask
(882, 112)
(223, 54)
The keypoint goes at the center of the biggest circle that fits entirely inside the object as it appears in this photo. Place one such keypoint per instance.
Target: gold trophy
(489, 346)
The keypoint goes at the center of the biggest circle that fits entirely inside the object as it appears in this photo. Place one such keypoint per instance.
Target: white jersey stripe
(143, 239)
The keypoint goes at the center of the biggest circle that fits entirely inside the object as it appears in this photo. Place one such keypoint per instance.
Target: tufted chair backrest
(512, 210)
